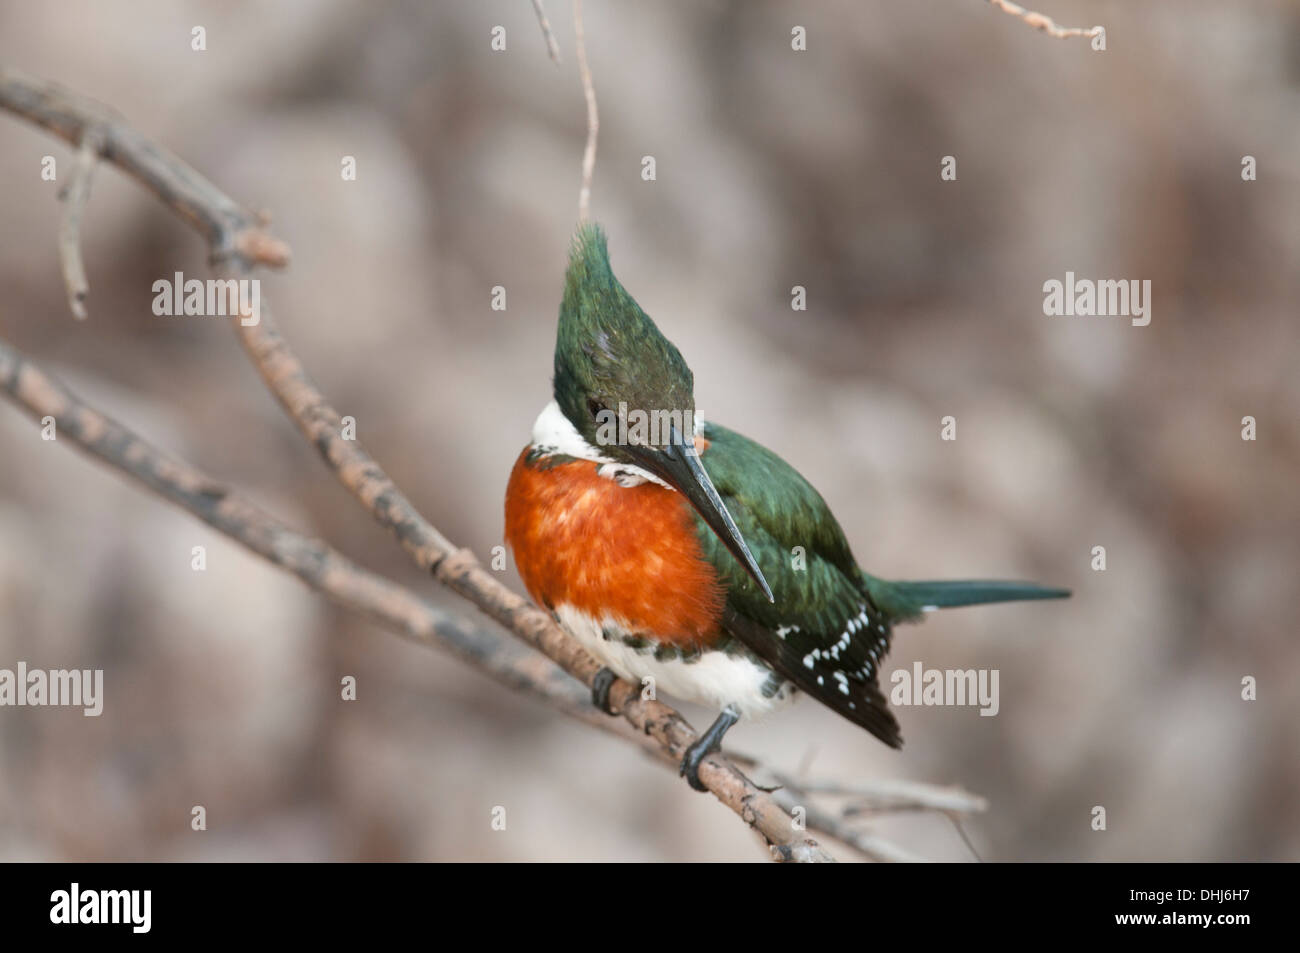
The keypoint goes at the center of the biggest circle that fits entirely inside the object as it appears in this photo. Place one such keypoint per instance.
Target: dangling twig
(75, 195)
(593, 118)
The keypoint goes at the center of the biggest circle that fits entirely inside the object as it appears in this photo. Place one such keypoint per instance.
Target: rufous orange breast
(631, 553)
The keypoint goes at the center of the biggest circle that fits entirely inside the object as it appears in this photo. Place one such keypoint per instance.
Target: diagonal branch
(238, 242)
(317, 564)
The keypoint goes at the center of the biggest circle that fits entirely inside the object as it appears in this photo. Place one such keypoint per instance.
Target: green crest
(617, 378)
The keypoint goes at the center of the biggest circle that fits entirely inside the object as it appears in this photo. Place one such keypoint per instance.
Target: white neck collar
(554, 433)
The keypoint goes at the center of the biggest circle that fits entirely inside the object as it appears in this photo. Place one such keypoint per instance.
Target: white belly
(715, 679)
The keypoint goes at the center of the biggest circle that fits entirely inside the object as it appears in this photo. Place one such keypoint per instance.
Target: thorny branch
(238, 242)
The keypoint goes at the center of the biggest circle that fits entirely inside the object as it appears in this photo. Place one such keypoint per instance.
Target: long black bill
(679, 465)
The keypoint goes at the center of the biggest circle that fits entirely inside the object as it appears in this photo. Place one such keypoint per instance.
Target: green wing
(824, 633)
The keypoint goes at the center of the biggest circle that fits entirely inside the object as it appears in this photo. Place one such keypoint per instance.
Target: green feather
(818, 587)
(607, 350)
(821, 594)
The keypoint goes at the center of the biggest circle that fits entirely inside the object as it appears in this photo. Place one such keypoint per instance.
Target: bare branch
(317, 564)
(593, 117)
(196, 200)
(75, 195)
(552, 47)
(1045, 23)
(221, 221)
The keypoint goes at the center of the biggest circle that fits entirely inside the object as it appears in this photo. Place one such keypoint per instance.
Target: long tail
(907, 600)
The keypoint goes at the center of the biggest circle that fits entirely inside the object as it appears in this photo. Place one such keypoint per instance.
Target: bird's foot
(600, 686)
(705, 745)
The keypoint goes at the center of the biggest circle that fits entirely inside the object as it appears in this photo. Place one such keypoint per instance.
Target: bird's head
(627, 390)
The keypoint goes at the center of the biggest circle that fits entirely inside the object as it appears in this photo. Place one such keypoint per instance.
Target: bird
(675, 549)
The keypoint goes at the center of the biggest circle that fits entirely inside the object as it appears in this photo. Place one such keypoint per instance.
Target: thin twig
(897, 795)
(75, 195)
(552, 47)
(869, 845)
(1045, 23)
(223, 222)
(879, 796)
(961, 831)
(593, 117)
(866, 797)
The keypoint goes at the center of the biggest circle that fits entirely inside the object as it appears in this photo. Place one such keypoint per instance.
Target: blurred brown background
(774, 168)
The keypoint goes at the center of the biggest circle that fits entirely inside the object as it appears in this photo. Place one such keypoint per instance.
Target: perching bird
(679, 550)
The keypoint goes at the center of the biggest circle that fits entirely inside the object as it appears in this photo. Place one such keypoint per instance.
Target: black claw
(690, 769)
(600, 686)
(705, 745)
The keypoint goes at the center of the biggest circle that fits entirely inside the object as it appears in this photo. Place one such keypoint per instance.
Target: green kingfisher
(678, 550)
